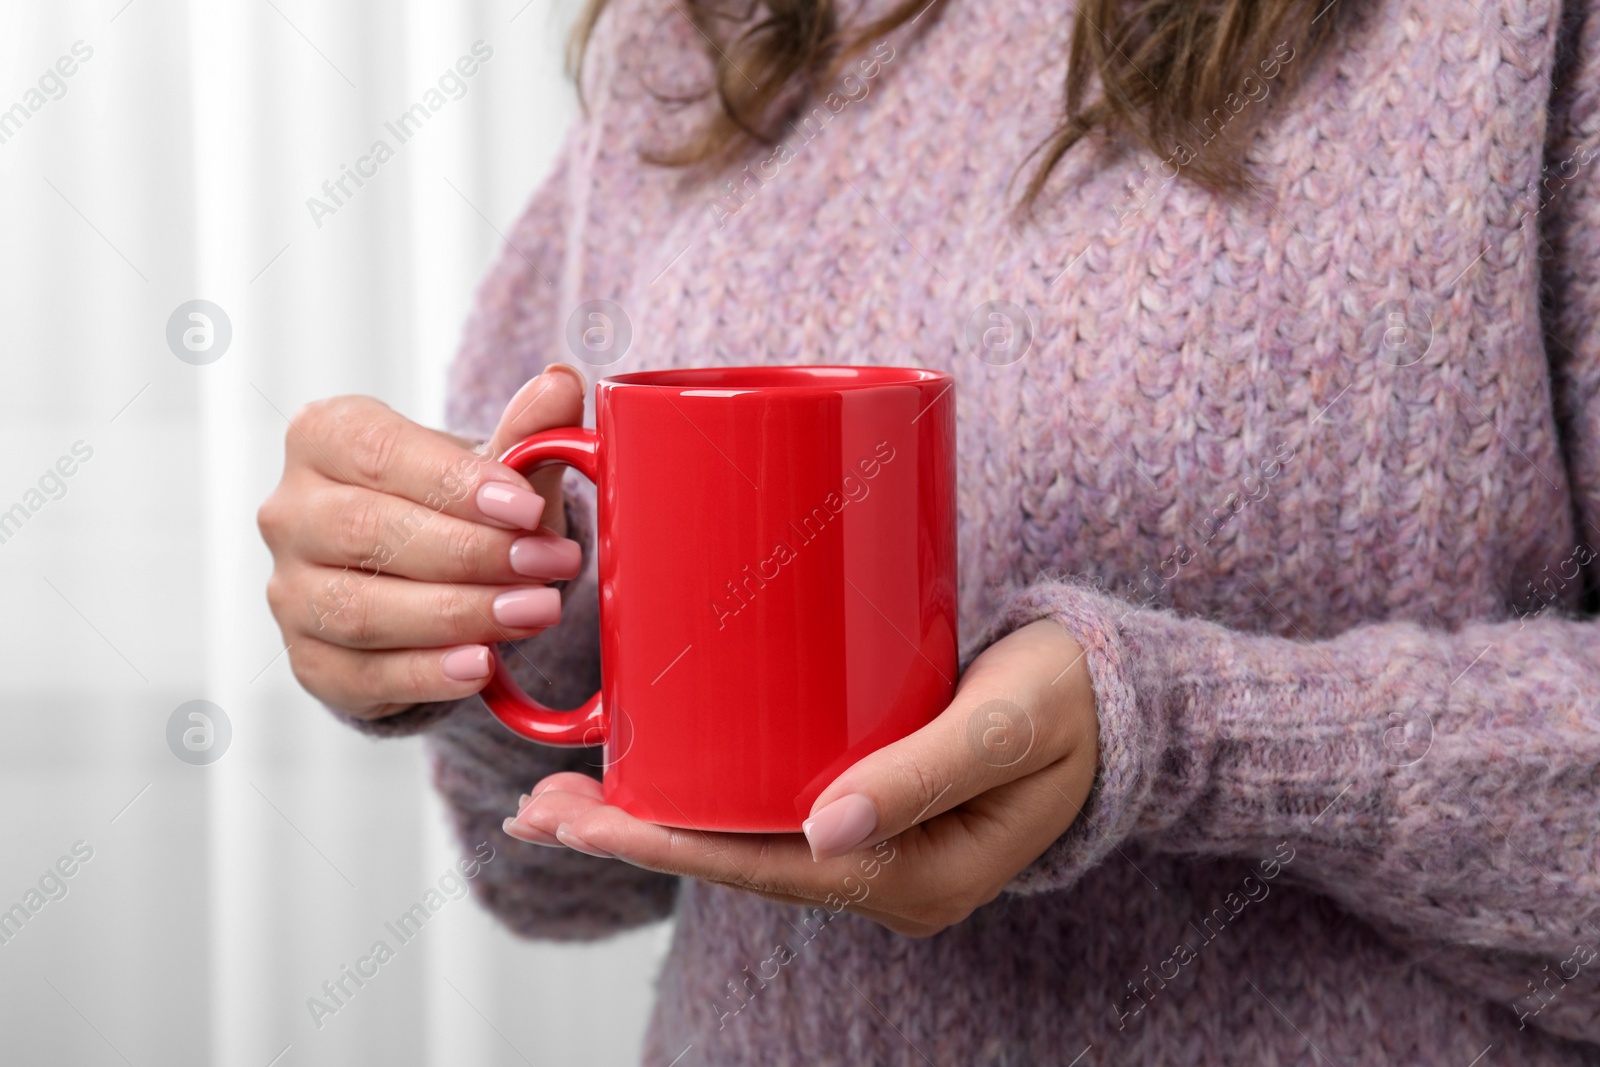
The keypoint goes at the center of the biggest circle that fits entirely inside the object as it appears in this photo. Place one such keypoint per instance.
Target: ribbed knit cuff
(1133, 735)
(1273, 738)
(1217, 742)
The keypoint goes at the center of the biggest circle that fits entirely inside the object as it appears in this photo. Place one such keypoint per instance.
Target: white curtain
(157, 152)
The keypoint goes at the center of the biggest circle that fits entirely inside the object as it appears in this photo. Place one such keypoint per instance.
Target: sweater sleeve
(1442, 786)
(1445, 787)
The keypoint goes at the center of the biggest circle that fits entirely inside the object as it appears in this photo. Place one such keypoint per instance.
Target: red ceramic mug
(777, 570)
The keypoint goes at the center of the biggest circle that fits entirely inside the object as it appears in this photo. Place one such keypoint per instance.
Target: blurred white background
(175, 163)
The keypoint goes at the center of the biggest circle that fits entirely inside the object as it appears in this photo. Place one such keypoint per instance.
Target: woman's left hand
(955, 811)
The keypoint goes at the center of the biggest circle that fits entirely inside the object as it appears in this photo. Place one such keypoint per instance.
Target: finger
(359, 441)
(370, 685)
(567, 809)
(356, 610)
(348, 526)
(527, 833)
(545, 817)
(692, 853)
(775, 865)
(945, 868)
(546, 481)
(583, 822)
(566, 781)
(571, 782)
(552, 398)
(549, 808)
(926, 879)
(989, 735)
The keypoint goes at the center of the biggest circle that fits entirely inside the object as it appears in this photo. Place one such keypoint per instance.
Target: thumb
(998, 729)
(553, 398)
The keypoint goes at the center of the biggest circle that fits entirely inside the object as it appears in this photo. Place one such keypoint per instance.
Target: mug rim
(778, 379)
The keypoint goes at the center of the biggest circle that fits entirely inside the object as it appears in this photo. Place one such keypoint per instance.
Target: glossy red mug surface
(777, 571)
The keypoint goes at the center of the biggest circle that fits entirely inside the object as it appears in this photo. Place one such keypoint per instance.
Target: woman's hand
(955, 811)
(399, 552)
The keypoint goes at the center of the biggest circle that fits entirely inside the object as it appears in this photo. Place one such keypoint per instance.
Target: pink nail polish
(583, 383)
(840, 826)
(565, 835)
(466, 664)
(531, 835)
(511, 503)
(546, 557)
(524, 608)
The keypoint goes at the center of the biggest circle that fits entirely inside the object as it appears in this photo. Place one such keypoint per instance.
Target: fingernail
(530, 834)
(583, 383)
(571, 840)
(511, 503)
(528, 607)
(840, 826)
(546, 557)
(522, 802)
(466, 664)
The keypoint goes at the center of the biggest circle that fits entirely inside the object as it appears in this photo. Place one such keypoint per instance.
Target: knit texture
(1311, 472)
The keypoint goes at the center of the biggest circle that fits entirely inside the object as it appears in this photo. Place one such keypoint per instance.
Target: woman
(1277, 363)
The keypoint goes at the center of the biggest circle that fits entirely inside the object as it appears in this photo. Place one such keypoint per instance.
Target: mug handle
(517, 711)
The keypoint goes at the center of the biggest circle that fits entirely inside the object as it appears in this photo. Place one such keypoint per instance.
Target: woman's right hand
(400, 552)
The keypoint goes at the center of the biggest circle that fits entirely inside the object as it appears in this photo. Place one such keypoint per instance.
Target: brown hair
(1169, 74)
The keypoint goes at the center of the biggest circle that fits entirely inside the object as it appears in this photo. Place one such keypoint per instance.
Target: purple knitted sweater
(1311, 472)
